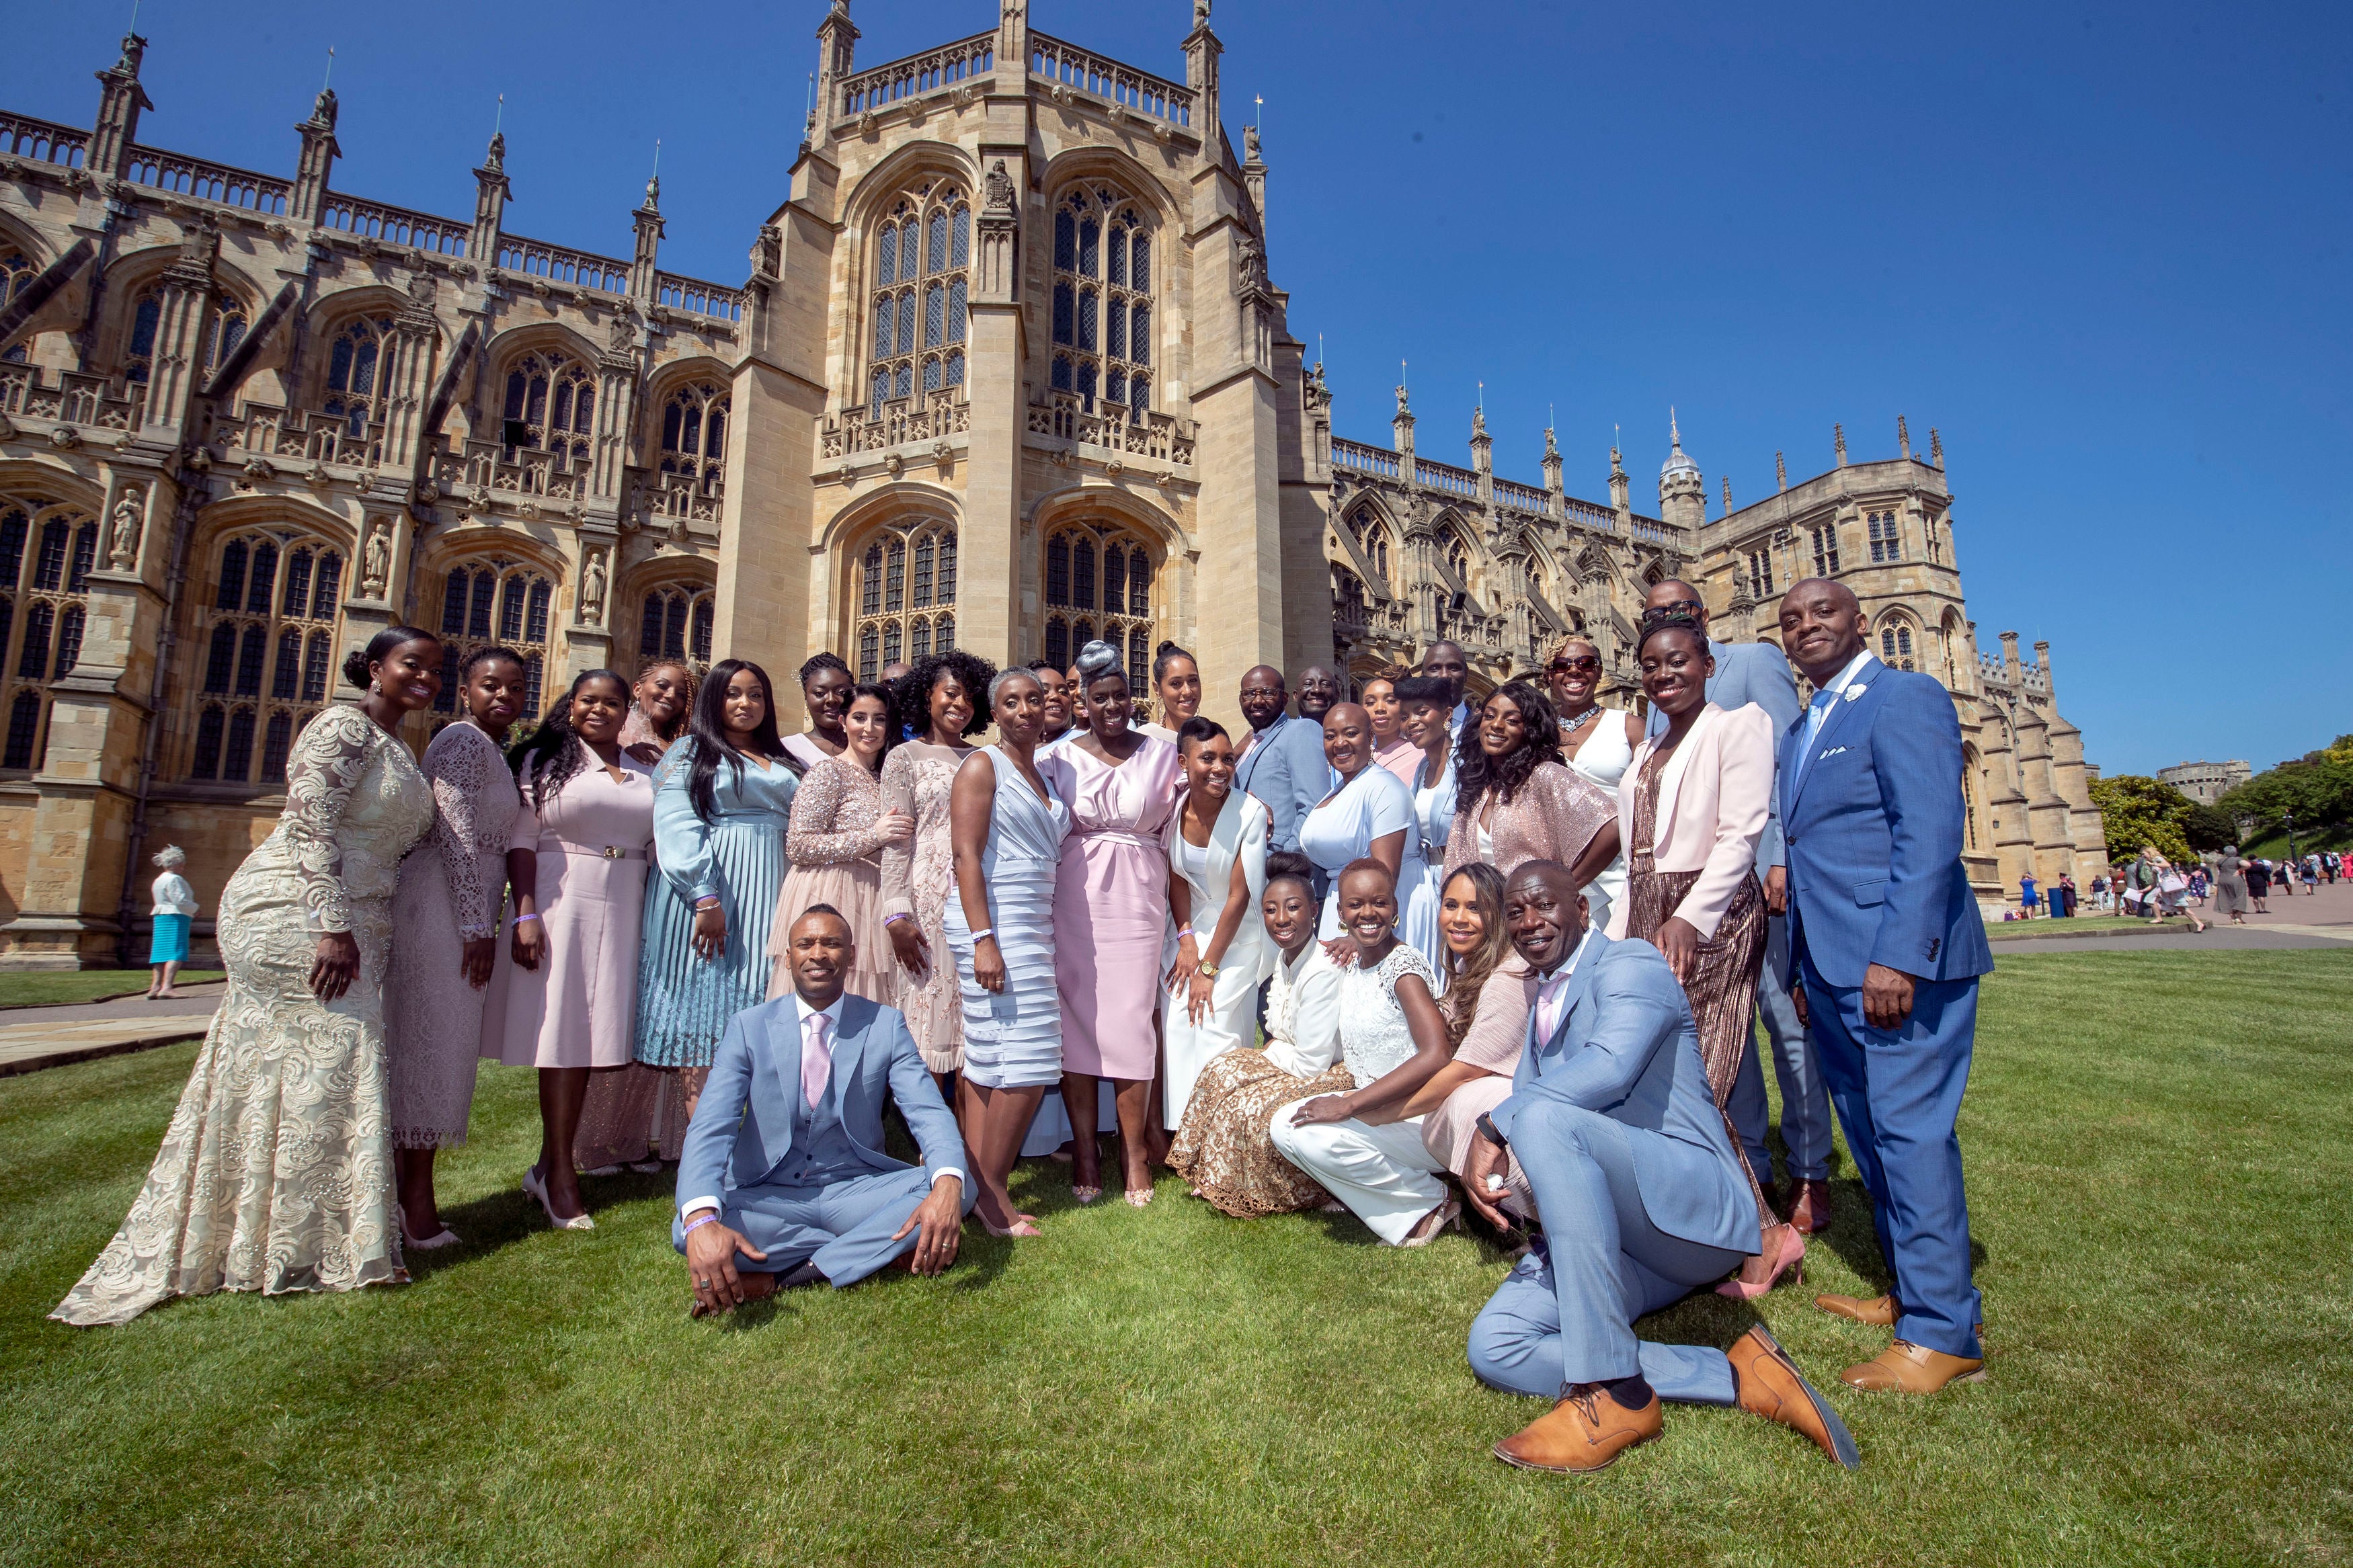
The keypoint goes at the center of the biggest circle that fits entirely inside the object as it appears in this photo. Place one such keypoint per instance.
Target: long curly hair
(913, 691)
(547, 756)
(709, 728)
(1506, 773)
(1467, 973)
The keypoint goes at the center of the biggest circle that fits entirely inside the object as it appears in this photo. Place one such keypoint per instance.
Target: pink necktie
(817, 1061)
(1550, 998)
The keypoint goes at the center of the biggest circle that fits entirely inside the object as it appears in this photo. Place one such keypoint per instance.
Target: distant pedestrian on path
(175, 908)
(2063, 897)
(2231, 885)
(2259, 883)
(2028, 897)
(2311, 875)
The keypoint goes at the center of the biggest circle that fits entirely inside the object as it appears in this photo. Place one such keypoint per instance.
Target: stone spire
(1551, 465)
(1201, 52)
(1727, 495)
(308, 204)
(1781, 471)
(490, 193)
(1936, 448)
(1620, 488)
(1838, 438)
(836, 55)
(646, 223)
(1682, 494)
(121, 99)
(1903, 435)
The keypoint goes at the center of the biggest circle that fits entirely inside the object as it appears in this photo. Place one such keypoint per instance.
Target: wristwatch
(1208, 969)
(1487, 1126)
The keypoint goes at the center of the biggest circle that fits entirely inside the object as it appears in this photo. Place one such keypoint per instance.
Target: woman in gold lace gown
(276, 1171)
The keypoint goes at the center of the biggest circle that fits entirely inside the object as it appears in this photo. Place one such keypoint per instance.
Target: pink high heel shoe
(1788, 1255)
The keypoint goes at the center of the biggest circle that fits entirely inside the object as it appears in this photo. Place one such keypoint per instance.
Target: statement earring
(375, 687)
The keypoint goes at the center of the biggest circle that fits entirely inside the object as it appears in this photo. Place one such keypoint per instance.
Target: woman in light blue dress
(1423, 703)
(1006, 829)
(722, 801)
(1369, 814)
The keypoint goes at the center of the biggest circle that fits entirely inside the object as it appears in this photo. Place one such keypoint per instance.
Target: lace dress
(917, 878)
(834, 850)
(452, 890)
(276, 1171)
(1375, 1039)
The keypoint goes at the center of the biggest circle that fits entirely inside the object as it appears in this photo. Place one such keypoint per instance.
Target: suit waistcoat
(822, 1153)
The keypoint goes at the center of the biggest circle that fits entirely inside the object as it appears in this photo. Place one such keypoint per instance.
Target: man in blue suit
(783, 1166)
(1284, 764)
(1757, 672)
(1642, 1198)
(1887, 946)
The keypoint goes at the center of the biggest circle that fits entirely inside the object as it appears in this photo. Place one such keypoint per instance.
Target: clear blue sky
(2103, 248)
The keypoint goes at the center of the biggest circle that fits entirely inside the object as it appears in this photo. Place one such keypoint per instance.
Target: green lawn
(2158, 1148)
(41, 987)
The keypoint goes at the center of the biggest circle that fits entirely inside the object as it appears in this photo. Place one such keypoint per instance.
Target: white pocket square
(1833, 752)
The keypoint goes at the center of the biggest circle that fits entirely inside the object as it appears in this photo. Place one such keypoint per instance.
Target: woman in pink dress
(564, 991)
(1111, 912)
(1392, 747)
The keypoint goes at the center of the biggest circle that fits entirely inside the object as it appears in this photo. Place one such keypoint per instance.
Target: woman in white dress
(1368, 815)
(1216, 841)
(1424, 703)
(1597, 743)
(276, 1171)
(1394, 1039)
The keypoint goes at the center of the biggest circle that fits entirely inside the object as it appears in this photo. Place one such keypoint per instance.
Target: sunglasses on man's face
(1672, 608)
(1585, 665)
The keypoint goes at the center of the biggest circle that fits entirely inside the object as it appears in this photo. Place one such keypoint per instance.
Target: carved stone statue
(1200, 13)
(1250, 144)
(1401, 391)
(592, 588)
(997, 189)
(124, 553)
(623, 335)
(768, 250)
(376, 563)
(1253, 264)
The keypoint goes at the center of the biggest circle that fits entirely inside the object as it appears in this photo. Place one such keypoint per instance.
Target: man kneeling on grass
(1641, 1196)
(783, 1180)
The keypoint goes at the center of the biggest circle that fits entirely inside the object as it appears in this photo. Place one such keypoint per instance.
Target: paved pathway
(36, 1037)
(2322, 919)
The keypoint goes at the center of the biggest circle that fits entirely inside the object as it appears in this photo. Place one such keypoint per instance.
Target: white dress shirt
(1817, 711)
(802, 1014)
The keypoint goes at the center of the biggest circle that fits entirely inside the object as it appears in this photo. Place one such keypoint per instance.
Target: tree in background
(2318, 788)
(2141, 812)
(2208, 828)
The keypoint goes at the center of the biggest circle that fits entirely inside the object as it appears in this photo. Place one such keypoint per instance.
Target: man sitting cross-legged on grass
(782, 1180)
(1642, 1197)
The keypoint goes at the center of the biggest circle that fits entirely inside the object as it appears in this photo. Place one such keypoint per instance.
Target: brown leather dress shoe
(1771, 1385)
(1810, 1206)
(1906, 1368)
(1879, 1311)
(1584, 1432)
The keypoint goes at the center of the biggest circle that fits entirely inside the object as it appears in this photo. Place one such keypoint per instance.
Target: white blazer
(1238, 834)
(1715, 795)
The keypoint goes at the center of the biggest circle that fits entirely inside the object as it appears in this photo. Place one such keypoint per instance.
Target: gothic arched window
(359, 372)
(1895, 645)
(267, 632)
(677, 624)
(139, 351)
(1099, 584)
(227, 329)
(906, 594)
(42, 605)
(921, 251)
(694, 435)
(1373, 542)
(1886, 537)
(494, 600)
(1102, 298)
(1826, 561)
(550, 406)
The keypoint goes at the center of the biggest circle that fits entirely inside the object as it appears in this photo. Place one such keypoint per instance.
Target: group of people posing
(1388, 953)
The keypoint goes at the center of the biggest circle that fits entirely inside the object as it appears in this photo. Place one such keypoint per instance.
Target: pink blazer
(1715, 794)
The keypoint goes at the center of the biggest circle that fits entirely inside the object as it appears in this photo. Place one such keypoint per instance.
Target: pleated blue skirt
(1013, 1038)
(683, 1000)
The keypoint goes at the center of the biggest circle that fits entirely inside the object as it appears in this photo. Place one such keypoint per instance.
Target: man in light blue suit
(1886, 947)
(1642, 1198)
(1284, 765)
(783, 1180)
(1757, 672)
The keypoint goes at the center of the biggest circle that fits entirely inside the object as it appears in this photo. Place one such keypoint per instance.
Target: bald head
(1823, 628)
(1349, 738)
(1263, 695)
(1544, 912)
(1676, 594)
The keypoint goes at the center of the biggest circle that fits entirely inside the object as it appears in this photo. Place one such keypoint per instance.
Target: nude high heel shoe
(1786, 1249)
(537, 1185)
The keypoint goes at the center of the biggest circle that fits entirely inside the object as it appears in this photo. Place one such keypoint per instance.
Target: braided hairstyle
(549, 756)
(1505, 774)
(1665, 620)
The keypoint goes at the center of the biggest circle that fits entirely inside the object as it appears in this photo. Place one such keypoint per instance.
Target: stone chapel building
(1008, 372)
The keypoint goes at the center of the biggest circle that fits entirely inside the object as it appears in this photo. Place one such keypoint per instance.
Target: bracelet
(712, 902)
(983, 935)
(707, 1217)
(890, 921)
(1185, 932)
(519, 920)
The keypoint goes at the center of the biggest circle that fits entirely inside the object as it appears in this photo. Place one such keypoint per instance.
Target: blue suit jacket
(1752, 672)
(1286, 769)
(742, 1125)
(1628, 1049)
(1874, 829)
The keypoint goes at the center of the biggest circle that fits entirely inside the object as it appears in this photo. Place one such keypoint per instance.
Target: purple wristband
(694, 1225)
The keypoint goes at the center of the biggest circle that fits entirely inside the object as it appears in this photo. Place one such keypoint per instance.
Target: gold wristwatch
(1208, 969)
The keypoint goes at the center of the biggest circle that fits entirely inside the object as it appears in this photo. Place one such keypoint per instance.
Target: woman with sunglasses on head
(1111, 916)
(1517, 800)
(1489, 992)
(1691, 810)
(1392, 747)
(942, 700)
(1597, 741)
(276, 1171)
(839, 829)
(564, 988)
(722, 800)
(826, 682)
(453, 890)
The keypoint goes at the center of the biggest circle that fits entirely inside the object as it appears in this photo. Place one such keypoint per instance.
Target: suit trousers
(1899, 1096)
(1805, 1096)
(844, 1227)
(1565, 1312)
(1384, 1174)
